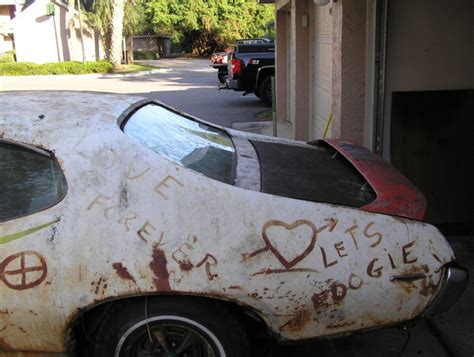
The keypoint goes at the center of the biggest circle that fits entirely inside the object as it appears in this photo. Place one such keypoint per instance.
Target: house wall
(300, 69)
(325, 73)
(349, 70)
(6, 43)
(321, 80)
(41, 39)
(4, 14)
(282, 61)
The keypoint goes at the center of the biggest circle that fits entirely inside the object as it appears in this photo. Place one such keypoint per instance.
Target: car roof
(50, 119)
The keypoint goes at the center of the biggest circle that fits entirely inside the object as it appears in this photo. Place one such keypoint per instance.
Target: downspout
(380, 67)
(58, 51)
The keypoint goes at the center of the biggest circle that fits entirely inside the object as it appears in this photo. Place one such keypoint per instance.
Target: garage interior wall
(429, 102)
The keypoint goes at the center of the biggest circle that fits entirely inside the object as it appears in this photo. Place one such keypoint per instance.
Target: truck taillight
(236, 66)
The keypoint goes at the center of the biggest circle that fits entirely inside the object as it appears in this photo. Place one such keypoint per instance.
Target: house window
(31, 180)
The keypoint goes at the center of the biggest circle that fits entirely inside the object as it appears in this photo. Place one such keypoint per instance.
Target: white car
(130, 229)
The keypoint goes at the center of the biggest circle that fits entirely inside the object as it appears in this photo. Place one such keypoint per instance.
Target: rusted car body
(133, 223)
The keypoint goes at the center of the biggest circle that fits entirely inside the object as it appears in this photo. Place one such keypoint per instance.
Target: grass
(71, 67)
(133, 68)
(266, 115)
(29, 69)
(7, 57)
(144, 55)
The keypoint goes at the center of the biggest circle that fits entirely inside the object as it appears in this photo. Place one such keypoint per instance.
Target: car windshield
(188, 143)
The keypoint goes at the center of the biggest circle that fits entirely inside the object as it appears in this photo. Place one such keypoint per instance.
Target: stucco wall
(282, 62)
(4, 14)
(6, 44)
(326, 68)
(349, 70)
(300, 69)
(41, 39)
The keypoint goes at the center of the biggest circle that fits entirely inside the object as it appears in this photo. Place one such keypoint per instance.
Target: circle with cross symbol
(23, 270)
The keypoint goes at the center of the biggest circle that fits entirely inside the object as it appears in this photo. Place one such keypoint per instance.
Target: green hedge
(144, 55)
(28, 68)
(7, 57)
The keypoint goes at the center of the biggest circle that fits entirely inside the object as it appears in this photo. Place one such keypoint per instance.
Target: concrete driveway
(189, 85)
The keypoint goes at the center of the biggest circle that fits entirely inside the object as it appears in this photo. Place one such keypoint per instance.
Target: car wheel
(172, 326)
(265, 91)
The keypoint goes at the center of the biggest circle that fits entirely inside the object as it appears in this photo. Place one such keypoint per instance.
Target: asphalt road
(189, 85)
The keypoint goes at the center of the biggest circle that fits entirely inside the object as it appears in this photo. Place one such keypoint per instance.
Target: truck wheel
(173, 326)
(265, 91)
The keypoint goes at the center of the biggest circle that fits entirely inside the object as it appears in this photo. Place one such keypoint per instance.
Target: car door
(32, 186)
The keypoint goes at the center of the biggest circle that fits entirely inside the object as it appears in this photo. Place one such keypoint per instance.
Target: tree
(202, 26)
(115, 19)
(116, 31)
(134, 23)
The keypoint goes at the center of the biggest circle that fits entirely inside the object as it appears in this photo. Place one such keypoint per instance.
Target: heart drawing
(278, 234)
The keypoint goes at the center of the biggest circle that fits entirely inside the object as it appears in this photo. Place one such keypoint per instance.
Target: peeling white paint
(309, 269)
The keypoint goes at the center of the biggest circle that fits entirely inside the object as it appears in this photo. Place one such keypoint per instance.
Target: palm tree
(113, 22)
(116, 31)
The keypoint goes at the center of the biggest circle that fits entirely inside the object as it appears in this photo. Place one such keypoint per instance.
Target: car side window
(31, 180)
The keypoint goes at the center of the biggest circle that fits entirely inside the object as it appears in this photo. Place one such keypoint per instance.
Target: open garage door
(428, 104)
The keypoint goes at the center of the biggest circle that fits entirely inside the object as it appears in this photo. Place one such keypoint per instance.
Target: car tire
(179, 325)
(265, 91)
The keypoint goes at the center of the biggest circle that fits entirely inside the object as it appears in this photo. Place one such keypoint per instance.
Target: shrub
(7, 57)
(144, 55)
(28, 68)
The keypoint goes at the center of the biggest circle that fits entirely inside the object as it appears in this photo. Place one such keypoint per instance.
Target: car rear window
(187, 142)
(30, 180)
(311, 174)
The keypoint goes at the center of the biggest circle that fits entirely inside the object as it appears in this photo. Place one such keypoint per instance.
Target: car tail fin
(395, 195)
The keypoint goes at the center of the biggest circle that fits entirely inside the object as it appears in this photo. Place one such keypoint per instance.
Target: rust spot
(338, 292)
(4, 312)
(375, 321)
(320, 300)
(186, 265)
(428, 287)
(406, 286)
(123, 272)
(4, 346)
(297, 323)
(341, 324)
(333, 295)
(158, 267)
(99, 286)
